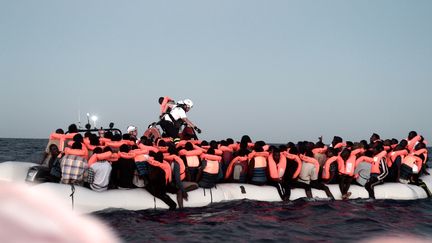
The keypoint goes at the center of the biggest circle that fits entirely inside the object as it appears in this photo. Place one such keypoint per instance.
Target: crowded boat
(169, 162)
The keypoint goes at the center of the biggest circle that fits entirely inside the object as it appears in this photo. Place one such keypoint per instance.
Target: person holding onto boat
(379, 169)
(160, 176)
(172, 121)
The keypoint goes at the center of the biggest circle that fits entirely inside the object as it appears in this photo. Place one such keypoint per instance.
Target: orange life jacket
(98, 157)
(172, 158)
(260, 159)
(311, 160)
(192, 159)
(213, 163)
(235, 161)
(326, 167)
(165, 166)
(277, 170)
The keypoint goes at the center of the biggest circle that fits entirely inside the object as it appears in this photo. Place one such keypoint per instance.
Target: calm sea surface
(244, 221)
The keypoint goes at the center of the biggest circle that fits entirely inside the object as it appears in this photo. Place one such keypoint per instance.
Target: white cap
(188, 103)
(131, 129)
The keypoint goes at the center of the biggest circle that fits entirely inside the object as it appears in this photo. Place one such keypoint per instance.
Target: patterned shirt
(72, 168)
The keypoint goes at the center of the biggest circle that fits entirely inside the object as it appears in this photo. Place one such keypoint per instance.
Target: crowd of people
(168, 164)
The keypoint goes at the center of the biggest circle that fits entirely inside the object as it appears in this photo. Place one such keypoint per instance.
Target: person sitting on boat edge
(102, 170)
(172, 121)
(210, 171)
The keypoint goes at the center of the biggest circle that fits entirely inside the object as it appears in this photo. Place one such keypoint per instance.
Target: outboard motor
(38, 174)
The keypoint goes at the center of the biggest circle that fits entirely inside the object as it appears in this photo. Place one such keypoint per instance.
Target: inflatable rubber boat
(86, 201)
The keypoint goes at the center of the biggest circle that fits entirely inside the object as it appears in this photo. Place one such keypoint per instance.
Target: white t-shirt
(176, 113)
(102, 171)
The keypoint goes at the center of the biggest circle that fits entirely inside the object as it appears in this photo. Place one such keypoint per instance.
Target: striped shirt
(72, 168)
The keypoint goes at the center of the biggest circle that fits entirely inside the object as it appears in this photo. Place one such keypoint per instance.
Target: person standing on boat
(173, 120)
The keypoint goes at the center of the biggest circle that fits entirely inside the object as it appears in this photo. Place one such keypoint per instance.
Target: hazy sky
(276, 70)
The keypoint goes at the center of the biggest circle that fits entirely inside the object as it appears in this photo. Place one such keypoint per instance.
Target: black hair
(124, 148)
(213, 144)
(172, 149)
(345, 153)
(161, 100)
(87, 134)
(411, 135)
(72, 128)
(403, 143)
(158, 156)
(107, 149)
(189, 146)
(223, 143)
(134, 147)
(78, 138)
(230, 141)
(116, 137)
(108, 135)
(97, 150)
(76, 145)
(246, 139)
(94, 140)
(59, 131)
(204, 143)
(161, 143)
(211, 151)
(126, 136)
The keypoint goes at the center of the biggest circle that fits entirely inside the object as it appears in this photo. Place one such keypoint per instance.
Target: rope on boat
(72, 195)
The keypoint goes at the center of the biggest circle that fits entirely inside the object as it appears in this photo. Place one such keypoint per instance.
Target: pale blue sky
(276, 70)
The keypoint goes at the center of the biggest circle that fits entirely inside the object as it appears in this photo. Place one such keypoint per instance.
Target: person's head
(158, 157)
(213, 144)
(87, 134)
(319, 144)
(420, 146)
(375, 137)
(412, 134)
(331, 152)
(403, 143)
(258, 147)
(126, 136)
(211, 151)
(97, 150)
(160, 100)
(394, 141)
(72, 128)
(345, 154)
(349, 144)
(59, 131)
(276, 154)
(379, 147)
(54, 150)
(246, 139)
(172, 149)
(132, 130)
(161, 143)
(230, 141)
(78, 138)
(336, 140)
(116, 137)
(124, 148)
(189, 146)
(108, 135)
(188, 104)
(76, 145)
(223, 143)
(107, 149)
(94, 140)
